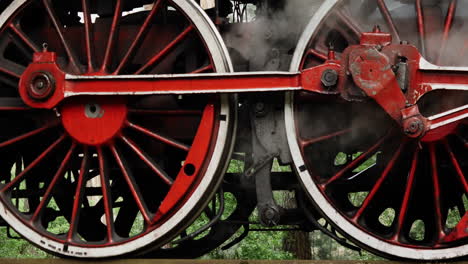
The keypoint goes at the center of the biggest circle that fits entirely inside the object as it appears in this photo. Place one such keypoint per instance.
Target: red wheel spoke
(88, 33)
(407, 195)
(79, 193)
(166, 50)
(20, 34)
(113, 34)
(388, 18)
(158, 137)
(27, 135)
(448, 25)
(60, 172)
(350, 23)
(139, 37)
(309, 142)
(13, 104)
(379, 182)
(33, 164)
(317, 54)
(456, 166)
(207, 68)
(106, 195)
(132, 185)
(358, 160)
(148, 161)
(421, 27)
(11, 69)
(58, 28)
(435, 182)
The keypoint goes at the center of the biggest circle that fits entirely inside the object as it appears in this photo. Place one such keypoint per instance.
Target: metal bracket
(266, 146)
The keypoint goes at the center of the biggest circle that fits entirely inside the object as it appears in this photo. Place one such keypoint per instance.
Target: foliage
(17, 248)
(257, 245)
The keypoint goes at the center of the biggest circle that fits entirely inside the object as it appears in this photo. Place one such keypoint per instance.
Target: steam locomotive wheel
(104, 177)
(393, 195)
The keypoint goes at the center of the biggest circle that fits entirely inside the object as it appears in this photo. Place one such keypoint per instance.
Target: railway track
(203, 261)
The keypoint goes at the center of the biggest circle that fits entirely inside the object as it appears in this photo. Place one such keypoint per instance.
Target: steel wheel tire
(329, 112)
(184, 208)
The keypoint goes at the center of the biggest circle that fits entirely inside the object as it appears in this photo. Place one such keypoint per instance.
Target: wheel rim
(159, 157)
(332, 140)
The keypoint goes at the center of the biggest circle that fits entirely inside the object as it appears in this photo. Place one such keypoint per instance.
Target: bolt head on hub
(329, 78)
(93, 122)
(413, 127)
(41, 86)
(270, 216)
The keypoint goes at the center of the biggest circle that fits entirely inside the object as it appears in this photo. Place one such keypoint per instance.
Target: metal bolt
(329, 78)
(413, 128)
(41, 86)
(260, 109)
(93, 111)
(376, 29)
(270, 216)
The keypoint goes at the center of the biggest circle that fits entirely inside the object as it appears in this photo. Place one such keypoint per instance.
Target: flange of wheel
(397, 195)
(109, 176)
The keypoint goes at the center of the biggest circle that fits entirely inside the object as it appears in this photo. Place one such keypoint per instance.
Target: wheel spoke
(33, 164)
(317, 54)
(158, 137)
(456, 166)
(106, 195)
(207, 68)
(358, 160)
(113, 34)
(27, 135)
(388, 18)
(60, 172)
(148, 161)
(20, 34)
(79, 193)
(379, 182)
(58, 28)
(448, 25)
(350, 23)
(13, 104)
(436, 194)
(139, 37)
(88, 33)
(11, 69)
(155, 59)
(407, 195)
(309, 142)
(421, 27)
(131, 185)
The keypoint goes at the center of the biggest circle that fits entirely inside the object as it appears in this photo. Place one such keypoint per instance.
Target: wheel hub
(41, 86)
(93, 122)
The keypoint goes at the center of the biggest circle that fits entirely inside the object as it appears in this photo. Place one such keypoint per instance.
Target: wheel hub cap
(93, 123)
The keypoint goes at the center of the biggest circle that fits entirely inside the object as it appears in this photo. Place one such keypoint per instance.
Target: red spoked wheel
(393, 195)
(110, 176)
